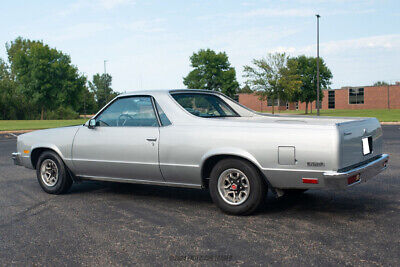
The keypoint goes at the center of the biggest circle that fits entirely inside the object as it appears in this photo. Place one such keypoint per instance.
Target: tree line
(276, 77)
(40, 82)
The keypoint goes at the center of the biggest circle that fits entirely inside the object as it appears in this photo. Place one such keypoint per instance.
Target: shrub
(62, 113)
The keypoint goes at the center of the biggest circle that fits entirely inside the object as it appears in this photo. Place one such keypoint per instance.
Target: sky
(147, 44)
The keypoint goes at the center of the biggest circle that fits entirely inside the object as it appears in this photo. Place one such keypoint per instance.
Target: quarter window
(129, 112)
(356, 96)
(204, 105)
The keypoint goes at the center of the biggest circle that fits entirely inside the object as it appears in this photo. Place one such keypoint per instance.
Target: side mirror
(92, 124)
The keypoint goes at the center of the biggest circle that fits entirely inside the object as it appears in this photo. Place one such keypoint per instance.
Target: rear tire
(52, 174)
(236, 187)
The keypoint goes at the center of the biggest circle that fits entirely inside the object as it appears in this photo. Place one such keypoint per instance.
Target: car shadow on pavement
(340, 202)
(151, 191)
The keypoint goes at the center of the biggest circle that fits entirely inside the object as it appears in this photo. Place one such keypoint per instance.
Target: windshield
(204, 105)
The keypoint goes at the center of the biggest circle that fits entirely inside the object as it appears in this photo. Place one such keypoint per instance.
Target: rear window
(204, 105)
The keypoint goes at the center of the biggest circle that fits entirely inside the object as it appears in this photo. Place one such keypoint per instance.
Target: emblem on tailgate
(315, 164)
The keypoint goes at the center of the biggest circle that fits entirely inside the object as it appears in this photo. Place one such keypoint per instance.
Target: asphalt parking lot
(122, 224)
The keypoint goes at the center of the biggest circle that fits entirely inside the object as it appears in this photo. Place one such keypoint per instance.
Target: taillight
(310, 180)
(353, 179)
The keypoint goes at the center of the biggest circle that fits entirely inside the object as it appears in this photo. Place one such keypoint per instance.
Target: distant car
(203, 139)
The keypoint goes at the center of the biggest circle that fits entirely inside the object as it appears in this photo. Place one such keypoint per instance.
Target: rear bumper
(357, 175)
(17, 158)
(311, 179)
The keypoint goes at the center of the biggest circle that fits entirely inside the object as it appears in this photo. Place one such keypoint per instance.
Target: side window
(163, 118)
(129, 112)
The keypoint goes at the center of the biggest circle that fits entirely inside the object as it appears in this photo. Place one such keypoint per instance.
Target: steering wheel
(102, 122)
(124, 120)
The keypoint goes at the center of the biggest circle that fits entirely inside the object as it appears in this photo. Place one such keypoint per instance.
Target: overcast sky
(148, 43)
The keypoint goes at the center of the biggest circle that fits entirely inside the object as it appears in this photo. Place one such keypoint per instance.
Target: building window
(356, 96)
(269, 102)
(331, 99)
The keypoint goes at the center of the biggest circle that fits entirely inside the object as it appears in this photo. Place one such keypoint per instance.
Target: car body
(179, 146)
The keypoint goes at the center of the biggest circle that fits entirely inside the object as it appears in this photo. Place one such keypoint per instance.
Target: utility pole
(388, 94)
(105, 70)
(318, 16)
(84, 104)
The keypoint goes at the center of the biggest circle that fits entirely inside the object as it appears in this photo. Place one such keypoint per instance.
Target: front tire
(236, 187)
(52, 174)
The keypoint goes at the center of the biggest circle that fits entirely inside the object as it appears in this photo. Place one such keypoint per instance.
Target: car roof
(166, 91)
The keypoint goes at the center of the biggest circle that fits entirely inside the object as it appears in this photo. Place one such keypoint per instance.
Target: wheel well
(35, 154)
(212, 161)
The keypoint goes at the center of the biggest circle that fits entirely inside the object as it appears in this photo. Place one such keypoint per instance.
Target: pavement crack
(28, 212)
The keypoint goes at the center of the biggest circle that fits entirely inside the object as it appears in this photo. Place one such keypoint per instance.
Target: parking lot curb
(390, 123)
(16, 131)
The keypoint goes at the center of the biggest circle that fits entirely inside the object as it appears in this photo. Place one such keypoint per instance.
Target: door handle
(151, 139)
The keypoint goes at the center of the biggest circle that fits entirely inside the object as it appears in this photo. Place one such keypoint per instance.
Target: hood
(45, 135)
(57, 130)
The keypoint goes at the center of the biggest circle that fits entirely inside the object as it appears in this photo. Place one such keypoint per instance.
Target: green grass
(12, 125)
(381, 114)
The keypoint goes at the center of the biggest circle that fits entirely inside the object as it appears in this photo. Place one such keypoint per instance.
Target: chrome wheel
(49, 172)
(233, 186)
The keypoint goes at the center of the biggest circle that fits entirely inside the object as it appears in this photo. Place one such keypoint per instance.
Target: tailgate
(357, 138)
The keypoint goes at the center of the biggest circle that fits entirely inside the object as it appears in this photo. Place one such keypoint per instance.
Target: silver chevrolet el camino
(203, 139)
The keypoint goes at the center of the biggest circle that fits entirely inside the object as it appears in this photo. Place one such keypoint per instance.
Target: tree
(245, 90)
(13, 104)
(88, 104)
(101, 87)
(7, 91)
(380, 83)
(307, 70)
(273, 77)
(45, 74)
(212, 71)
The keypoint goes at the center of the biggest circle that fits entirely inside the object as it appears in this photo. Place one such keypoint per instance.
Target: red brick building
(362, 97)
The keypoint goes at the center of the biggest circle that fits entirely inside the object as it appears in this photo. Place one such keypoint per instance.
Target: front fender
(58, 140)
(46, 146)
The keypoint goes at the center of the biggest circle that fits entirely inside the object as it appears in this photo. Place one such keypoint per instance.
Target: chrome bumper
(357, 175)
(16, 158)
